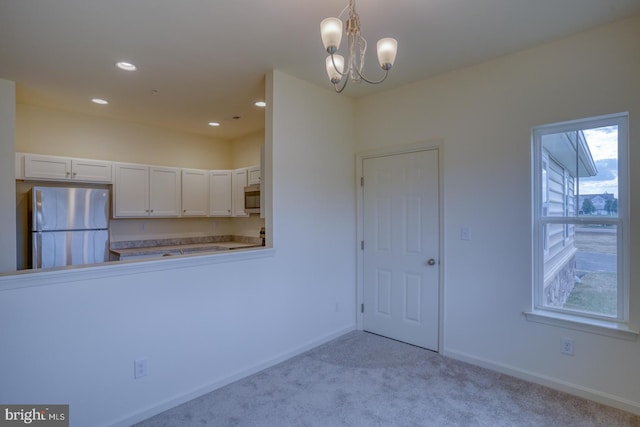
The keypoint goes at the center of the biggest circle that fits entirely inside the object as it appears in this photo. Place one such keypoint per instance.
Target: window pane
(581, 173)
(582, 275)
(598, 190)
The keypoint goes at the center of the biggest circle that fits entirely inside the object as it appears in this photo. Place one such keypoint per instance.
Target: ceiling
(205, 60)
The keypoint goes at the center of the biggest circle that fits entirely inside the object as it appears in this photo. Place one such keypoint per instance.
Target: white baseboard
(185, 397)
(554, 383)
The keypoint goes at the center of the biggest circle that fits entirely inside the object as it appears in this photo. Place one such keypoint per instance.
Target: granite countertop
(187, 246)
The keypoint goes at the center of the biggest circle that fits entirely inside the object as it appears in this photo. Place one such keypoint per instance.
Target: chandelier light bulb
(387, 49)
(331, 33)
(334, 71)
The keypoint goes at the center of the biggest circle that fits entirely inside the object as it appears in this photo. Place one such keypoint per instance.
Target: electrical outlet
(465, 233)
(140, 368)
(566, 346)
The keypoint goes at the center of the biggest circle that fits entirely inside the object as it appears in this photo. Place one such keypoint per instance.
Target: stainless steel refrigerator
(69, 226)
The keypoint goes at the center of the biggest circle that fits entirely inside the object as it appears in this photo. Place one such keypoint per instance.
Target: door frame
(391, 151)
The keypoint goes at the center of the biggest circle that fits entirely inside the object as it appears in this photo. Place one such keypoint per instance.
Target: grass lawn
(596, 294)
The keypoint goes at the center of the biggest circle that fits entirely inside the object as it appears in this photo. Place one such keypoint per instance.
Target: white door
(401, 247)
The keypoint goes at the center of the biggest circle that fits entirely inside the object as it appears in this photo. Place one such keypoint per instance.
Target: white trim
(539, 222)
(235, 376)
(390, 151)
(563, 386)
(580, 124)
(31, 278)
(608, 328)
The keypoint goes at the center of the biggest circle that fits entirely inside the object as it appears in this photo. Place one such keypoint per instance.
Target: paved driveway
(593, 261)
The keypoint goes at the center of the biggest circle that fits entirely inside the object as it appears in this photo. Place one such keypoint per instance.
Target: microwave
(252, 198)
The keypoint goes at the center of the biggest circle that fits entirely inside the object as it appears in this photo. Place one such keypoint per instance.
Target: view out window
(580, 217)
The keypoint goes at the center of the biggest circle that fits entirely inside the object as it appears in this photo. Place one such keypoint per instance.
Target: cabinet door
(130, 191)
(90, 170)
(220, 193)
(164, 191)
(195, 192)
(253, 175)
(238, 182)
(47, 167)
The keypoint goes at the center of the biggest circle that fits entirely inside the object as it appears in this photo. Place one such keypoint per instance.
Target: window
(580, 207)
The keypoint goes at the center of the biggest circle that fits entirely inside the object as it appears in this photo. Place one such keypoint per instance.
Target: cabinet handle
(75, 173)
(185, 211)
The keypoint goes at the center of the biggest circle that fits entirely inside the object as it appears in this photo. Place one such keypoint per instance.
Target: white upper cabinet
(66, 169)
(238, 182)
(150, 191)
(164, 191)
(195, 192)
(142, 191)
(130, 191)
(90, 170)
(220, 193)
(253, 175)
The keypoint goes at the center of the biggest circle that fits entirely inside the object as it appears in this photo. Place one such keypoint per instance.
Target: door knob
(431, 261)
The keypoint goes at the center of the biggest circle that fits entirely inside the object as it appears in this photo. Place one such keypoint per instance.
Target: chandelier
(331, 33)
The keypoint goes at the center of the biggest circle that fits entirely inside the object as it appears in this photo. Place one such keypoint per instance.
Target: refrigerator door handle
(36, 244)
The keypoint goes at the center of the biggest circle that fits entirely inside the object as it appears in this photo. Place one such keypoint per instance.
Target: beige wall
(245, 151)
(7, 176)
(483, 116)
(45, 130)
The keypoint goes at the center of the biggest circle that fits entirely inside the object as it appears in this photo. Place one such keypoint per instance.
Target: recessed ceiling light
(214, 124)
(100, 101)
(127, 66)
(260, 104)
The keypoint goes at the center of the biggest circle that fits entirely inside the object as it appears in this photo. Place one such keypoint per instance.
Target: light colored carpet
(361, 379)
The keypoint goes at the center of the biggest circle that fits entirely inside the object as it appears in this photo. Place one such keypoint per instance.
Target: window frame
(540, 222)
(544, 201)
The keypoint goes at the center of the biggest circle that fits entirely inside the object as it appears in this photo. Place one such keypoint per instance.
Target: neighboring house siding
(560, 252)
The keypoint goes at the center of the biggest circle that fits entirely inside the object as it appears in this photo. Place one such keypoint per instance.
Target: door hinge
(362, 245)
(362, 181)
(361, 308)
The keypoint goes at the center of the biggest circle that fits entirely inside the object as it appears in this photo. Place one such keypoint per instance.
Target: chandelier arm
(344, 85)
(373, 82)
(343, 11)
(336, 68)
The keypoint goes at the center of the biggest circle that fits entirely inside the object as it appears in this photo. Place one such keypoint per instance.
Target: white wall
(484, 115)
(7, 175)
(199, 326)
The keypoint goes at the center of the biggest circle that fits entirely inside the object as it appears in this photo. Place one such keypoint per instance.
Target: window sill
(601, 327)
